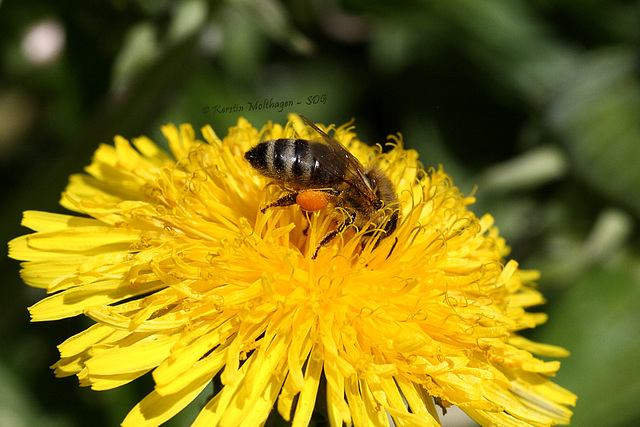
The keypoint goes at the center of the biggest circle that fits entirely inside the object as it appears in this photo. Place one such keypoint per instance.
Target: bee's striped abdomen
(291, 161)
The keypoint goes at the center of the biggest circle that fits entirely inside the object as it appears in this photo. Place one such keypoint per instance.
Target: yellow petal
(87, 240)
(137, 356)
(47, 222)
(307, 398)
(537, 348)
(419, 402)
(109, 382)
(215, 409)
(41, 274)
(206, 367)
(73, 301)
(88, 338)
(155, 409)
(338, 409)
(188, 351)
(259, 382)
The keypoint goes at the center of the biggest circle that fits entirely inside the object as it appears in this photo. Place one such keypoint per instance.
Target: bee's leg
(392, 224)
(325, 240)
(306, 229)
(392, 248)
(286, 200)
(389, 227)
(330, 191)
(332, 234)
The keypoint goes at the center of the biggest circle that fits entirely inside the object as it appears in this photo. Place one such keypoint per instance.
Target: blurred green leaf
(598, 320)
(17, 409)
(532, 169)
(189, 17)
(597, 115)
(139, 50)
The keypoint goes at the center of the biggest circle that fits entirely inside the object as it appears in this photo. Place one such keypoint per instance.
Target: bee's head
(382, 187)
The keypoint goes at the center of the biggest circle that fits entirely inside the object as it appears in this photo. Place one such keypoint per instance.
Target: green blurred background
(537, 103)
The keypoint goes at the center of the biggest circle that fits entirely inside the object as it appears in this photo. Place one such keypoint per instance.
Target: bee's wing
(340, 162)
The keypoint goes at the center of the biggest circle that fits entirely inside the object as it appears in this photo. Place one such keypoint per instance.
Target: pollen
(312, 200)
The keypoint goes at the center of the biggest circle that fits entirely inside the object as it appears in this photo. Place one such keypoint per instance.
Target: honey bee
(322, 171)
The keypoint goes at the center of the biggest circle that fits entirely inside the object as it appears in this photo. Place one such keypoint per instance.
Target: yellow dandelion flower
(185, 277)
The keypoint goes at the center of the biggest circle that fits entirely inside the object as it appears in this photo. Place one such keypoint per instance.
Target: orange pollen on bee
(312, 200)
